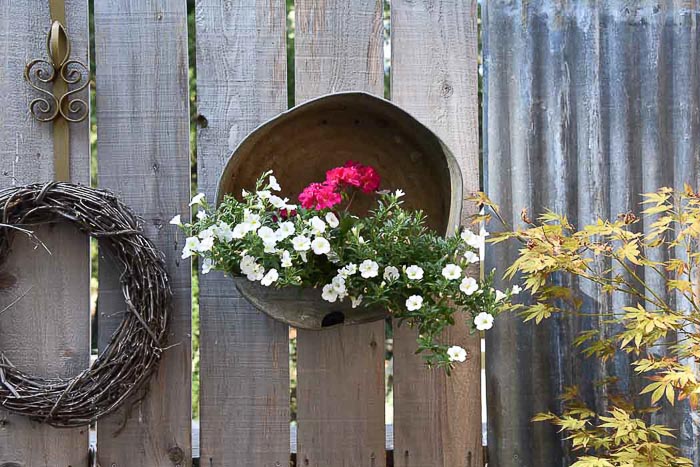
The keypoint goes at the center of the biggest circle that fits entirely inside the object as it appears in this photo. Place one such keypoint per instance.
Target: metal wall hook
(53, 78)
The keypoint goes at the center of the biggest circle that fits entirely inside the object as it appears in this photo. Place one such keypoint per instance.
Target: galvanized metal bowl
(300, 145)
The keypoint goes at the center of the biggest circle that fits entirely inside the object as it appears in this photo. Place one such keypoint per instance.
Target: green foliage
(618, 258)
(246, 238)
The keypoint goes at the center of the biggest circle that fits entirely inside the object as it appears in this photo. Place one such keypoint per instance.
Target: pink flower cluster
(328, 194)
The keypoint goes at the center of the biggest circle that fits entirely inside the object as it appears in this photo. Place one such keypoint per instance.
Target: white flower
(256, 273)
(414, 302)
(302, 255)
(197, 199)
(253, 220)
(356, 301)
(301, 243)
(206, 244)
(348, 270)
(278, 202)
(201, 214)
(391, 273)
(270, 247)
(483, 232)
(207, 265)
(320, 245)
(240, 230)
(399, 193)
(338, 284)
(286, 259)
(267, 235)
(208, 232)
(223, 232)
(468, 285)
(471, 257)
(273, 183)
(271, 276)
(516, 290)
(415, 273)
(191, 246)
(285, 230)
(247, 264)
(500, 295)
(329, 294)
(332, 220)
(457, 354)
(369, 268)
(483, 321)
(473, 240)
(177, 220)
(264, 194)
(317, 225)
(451, 272)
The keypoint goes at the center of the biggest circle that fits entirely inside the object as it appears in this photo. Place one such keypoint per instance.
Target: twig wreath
(136, 346)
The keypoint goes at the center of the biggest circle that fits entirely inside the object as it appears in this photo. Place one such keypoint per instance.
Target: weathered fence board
(244, 389)
(47, 332)
(434, 76)
(338, 47)
(587, 104)
(143, 133)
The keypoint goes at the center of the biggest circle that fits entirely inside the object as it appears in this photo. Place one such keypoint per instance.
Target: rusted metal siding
(587, 105)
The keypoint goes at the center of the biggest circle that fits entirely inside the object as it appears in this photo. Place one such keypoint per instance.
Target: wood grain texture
(244, 390)
(143, 135)
(48, 331)
(434, 63)
(338, 47)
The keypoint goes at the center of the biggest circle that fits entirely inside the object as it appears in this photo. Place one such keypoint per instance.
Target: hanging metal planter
(301, 144)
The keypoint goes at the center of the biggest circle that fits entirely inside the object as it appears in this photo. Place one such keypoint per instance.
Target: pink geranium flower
(320, 196)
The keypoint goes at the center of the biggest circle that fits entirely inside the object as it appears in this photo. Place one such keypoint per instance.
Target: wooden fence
(143, 156)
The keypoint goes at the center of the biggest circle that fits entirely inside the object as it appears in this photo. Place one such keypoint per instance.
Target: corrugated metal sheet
(587, 105)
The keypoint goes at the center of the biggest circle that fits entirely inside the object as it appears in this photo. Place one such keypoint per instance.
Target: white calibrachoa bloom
(251, 220)
(451, 272)
(240, 230)
(457, 354)
(191, 247)
(271, 276)
(263, 194)
(320, 246)
(500, 295)
(473, 240)
(201, 214)
(206, 244)
(197, 199)
(356, 301)
(286, 259)
(516, 289)
(414, 302)
(332, 220)
(301, 243)
(267, 235)
(483, 321)
(415, 273)
(369, 268)
(471, 257)
(285, 229)
(272, 181)
(348, 270)
(391, 273)
(329, 294)
(223, 232)
(278, 202)
(468, 285)
(317, 225)
(207, 265)
(177, 220)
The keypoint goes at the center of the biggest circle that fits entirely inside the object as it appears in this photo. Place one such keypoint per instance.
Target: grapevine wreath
(134, 349)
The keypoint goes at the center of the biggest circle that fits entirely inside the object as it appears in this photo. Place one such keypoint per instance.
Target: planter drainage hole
(331, 319)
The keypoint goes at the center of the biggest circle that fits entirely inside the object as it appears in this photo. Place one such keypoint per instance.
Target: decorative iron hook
(53, 79)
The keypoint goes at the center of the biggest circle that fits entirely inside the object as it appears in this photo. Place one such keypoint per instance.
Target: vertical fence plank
(48, 331)
(244, 389)
(338, 46)
(587, 104)
(434, 76)
(143, 133)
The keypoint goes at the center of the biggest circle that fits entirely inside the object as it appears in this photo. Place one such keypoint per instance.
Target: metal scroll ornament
(64, 73)
(58, 80)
